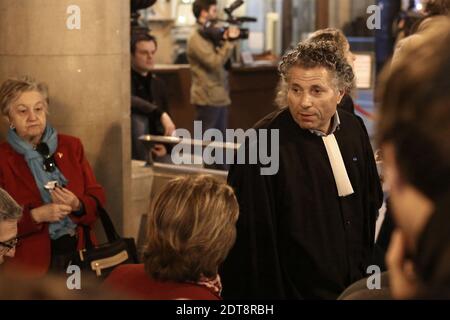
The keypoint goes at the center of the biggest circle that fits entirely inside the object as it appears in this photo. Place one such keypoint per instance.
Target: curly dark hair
(310, 55)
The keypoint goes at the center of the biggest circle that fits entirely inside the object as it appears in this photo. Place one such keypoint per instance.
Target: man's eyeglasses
(49, 161)
(7, 246)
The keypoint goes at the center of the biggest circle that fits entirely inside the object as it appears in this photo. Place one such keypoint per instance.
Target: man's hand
(65, 196)
(169, 126)
(232, 33)
(159, 150)
(51, 212)
(402, 278)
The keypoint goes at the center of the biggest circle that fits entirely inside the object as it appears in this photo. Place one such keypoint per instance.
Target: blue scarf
(35, 162)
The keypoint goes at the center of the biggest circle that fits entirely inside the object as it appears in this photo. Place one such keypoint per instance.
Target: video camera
(214, 33)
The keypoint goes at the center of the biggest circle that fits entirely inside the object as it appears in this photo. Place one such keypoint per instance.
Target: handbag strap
(88, 244)
(107, 223)
(108, 226)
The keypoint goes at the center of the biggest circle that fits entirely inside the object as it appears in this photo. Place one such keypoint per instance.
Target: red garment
(33, 251)
(132, 280)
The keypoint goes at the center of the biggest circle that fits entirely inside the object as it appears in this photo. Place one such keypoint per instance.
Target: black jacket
(149, 97)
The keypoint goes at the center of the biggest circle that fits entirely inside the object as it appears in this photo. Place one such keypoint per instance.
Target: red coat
(33, 251)
(132, 281)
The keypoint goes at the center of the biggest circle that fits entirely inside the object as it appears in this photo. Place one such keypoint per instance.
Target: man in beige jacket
(209, 90)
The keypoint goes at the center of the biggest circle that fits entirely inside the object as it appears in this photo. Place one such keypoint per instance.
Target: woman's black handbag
(101, 260)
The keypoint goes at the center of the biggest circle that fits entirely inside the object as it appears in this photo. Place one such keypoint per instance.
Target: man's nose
(306, 101)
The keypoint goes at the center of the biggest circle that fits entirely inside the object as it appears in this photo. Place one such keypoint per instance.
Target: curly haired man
(308, 231)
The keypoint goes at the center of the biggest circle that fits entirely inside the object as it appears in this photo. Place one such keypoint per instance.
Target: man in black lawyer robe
(307, 231)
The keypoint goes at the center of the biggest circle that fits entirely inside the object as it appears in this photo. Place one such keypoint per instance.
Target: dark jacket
(347, 104)
(149, 97)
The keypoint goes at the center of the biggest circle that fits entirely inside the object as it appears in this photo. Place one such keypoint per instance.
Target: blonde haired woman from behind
(190, 232)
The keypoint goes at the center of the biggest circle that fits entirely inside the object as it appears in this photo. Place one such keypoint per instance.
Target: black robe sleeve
(255, 258)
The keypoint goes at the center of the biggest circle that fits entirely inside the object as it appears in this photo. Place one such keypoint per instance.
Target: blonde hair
(191, 229)
(12, 88)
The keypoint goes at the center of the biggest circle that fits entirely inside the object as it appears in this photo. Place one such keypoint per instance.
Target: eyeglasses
(7, 246)
(49, 161)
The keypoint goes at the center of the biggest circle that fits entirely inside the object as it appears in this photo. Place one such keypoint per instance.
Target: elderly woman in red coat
(46, 173)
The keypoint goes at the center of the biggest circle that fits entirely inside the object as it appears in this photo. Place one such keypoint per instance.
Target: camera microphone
(233, 6)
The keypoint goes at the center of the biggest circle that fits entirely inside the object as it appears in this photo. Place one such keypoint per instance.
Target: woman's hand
(402, 278)
(65, 196)
(52, 212)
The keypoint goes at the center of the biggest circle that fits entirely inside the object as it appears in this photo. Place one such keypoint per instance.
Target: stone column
(87, 70)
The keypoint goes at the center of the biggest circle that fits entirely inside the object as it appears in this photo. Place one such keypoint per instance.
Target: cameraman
(209, 90)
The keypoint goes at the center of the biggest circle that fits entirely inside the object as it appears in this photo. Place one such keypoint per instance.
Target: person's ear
(8, 121)
(341, 94)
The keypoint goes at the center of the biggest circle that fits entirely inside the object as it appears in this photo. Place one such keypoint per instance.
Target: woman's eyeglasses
(49, 161)
(7, 246)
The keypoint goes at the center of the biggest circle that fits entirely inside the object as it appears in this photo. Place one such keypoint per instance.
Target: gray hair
(9, 209)
(310, 55)
(12, 88)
